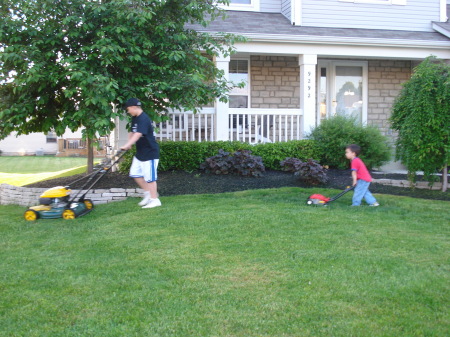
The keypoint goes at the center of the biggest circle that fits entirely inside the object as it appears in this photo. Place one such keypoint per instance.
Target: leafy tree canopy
(421, 115)
(66, 63)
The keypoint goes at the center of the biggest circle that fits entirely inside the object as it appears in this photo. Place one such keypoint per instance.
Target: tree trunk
(445, 178)
(90, 156)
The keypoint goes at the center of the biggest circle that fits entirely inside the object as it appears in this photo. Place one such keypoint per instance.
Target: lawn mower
(321, 200)
(56, 202)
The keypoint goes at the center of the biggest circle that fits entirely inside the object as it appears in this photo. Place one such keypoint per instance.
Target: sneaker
(153, 203)
(145, 200)
(375, 204)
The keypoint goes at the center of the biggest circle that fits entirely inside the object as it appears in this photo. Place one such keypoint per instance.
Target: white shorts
(144, 169)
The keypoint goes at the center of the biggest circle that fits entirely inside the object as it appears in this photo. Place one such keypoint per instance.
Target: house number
(309, 87)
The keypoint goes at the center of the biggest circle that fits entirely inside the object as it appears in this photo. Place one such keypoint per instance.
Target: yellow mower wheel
(31, 215)
(68, 214)
(89, 204)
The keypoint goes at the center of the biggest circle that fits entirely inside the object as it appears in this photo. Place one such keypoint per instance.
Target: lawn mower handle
(98, 175)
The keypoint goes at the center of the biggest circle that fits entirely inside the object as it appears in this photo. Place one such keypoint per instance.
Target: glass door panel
(323, 99)
(342, 89)
(348, 91)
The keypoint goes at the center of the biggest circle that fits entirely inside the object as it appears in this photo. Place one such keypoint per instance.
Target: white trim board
(369, 52)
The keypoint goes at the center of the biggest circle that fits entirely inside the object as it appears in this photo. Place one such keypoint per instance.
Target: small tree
(66, 63)
(421, 115)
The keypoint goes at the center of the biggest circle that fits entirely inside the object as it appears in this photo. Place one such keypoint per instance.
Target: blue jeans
(362, 191)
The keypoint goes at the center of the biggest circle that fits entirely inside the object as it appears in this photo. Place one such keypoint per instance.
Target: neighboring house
(24, 145)
(306, 60)
(70, 144)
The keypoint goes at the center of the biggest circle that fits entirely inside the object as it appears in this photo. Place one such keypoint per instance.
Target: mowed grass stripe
(253, 263)
(36, 164)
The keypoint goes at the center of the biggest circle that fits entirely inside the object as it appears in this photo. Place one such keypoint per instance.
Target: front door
(342, 89)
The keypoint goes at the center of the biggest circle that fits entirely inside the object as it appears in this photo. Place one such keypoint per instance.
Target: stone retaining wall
(23, 196)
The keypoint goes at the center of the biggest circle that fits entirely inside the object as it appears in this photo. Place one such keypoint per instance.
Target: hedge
(187, 156)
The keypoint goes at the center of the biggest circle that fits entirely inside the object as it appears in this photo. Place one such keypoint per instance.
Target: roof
(274, 26)
(443, 27)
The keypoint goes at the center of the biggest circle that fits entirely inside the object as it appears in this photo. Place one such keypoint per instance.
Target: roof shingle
(258, 23)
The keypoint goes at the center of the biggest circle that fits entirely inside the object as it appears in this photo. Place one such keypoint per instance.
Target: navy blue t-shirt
(146, 147)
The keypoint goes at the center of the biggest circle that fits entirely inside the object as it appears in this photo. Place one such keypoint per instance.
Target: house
(306, 60)
(70, 144)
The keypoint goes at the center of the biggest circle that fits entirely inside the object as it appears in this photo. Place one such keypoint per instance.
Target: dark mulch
(181, 182)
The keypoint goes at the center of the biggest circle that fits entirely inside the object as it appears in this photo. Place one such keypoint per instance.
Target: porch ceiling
(275, 27)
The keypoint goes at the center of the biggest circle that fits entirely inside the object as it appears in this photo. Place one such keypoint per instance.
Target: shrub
(290, 164)
(334, 134)
(218, 164)
(246, 164)
(184, 155)
(421, 115)
(273, 153)
(310, 171)
(241, 162)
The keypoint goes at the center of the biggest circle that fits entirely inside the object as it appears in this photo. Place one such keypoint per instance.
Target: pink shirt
(361, 170)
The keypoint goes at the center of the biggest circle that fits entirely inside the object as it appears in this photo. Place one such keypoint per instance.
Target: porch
(246, 125)
(286, 96)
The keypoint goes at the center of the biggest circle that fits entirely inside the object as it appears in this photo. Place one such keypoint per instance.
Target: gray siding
(416, 15)
(270, 6)
(286, 8)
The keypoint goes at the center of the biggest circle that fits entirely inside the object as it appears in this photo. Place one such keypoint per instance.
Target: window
(243, 5)
(380, 2)
(51, 137)
(238, 72)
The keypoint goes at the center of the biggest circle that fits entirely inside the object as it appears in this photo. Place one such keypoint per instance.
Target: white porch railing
(188, 126)
(265, 125)
(246, 125)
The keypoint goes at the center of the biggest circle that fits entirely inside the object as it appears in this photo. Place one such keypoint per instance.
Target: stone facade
(385, 83)
(275, 82)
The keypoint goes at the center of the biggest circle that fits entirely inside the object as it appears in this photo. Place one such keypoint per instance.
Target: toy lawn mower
(321, 200)
(56, 202)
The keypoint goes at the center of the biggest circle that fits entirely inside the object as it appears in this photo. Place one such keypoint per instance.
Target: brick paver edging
(28, 196)
(407, 183)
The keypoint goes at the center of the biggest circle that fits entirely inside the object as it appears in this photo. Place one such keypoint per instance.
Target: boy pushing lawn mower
(145, 162)
(361, 177)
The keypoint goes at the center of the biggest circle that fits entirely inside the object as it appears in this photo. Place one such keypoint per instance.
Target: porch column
(308, 64)
(222, 132)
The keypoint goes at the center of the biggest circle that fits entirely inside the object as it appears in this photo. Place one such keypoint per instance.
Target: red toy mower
(321, 200)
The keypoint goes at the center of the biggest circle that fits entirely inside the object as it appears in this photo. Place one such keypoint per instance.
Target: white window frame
(51, 137)
(378, 2)
(252, 7)
(248, 91)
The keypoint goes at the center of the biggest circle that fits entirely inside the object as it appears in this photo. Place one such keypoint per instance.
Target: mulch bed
(181, 182)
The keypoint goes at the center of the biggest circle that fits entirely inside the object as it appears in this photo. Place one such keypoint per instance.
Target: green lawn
(253, 263)
(25, 170)
(33, 164)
